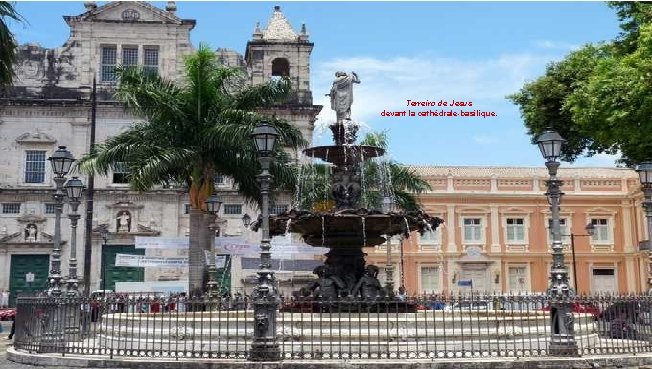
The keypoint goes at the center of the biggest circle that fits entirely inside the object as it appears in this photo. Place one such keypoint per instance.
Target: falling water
(362, 181)
(407, 225)
(323, 231)
(364, 232)
(287, 227)
(297, 190)
(313, 175)
(326, 179)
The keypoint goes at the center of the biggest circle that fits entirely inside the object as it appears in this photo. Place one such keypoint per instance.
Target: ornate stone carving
(31, 232)
(123, 222)
(35, 137)
(31, 218)
(130, 15)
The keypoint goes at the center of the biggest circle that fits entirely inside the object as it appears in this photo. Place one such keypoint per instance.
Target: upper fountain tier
(345, 151)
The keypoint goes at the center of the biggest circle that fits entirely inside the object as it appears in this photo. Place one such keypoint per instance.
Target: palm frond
(8, 43)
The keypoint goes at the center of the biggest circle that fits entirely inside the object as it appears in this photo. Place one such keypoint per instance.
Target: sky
(477, 52)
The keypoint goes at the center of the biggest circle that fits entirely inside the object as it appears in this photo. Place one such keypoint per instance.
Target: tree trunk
(196, 258)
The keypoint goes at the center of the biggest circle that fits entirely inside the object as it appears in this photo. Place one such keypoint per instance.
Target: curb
(76, 361)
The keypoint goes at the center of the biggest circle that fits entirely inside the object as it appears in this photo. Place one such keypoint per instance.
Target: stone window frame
(185, 209)
(150, 67)
(49, 205)
(525, 225)
(607, 227)
(612, 266)
(277, 209)
(565, 214)
(610, 216)
(119, 56)
(5, 208)
(129, 47)
(483, 233)
(283, 64)
(103, 63)
(528, 279)
(440, 279)
(225, 206)
(116, 171)
(46, 176)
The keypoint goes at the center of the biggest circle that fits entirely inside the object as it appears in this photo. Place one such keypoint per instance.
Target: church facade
(50, 106)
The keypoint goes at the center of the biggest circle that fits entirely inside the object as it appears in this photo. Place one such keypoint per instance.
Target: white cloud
(597, 160)
(549, 44)
(387, 84)
(484, 140)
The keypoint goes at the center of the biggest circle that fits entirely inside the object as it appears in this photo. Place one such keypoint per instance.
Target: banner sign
(220, 260)
(465, 283)
(141, 261)
(161, 242)
(282, 247)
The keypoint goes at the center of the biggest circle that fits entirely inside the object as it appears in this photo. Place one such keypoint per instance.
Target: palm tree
(380, 178)
(192, 131)
(8, 43)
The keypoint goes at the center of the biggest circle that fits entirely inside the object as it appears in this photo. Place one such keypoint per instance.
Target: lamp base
(563, 345)
(264, 350)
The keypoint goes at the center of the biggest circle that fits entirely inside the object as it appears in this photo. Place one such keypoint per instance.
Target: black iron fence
(425, 327)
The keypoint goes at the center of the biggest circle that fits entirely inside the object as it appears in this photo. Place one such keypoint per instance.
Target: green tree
(380, 177)
(543, 102)
(8, 43)
(598, 97)
(615, 103)
(193, 131)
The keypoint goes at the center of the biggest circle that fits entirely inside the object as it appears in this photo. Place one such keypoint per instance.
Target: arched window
(280, 67)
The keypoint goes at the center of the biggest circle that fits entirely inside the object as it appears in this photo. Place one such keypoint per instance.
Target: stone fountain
(347, 227)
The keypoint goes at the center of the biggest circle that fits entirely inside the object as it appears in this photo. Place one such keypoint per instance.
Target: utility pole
(90, 192)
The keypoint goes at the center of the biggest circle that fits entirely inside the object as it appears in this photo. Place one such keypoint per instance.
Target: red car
(7, 314)
(580, 308)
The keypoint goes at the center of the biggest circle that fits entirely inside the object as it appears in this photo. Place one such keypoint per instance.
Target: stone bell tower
(278, 51)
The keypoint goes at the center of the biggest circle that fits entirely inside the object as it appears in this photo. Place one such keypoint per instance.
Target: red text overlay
(440, 108)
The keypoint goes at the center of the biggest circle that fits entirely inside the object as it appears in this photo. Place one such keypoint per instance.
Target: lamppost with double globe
(266, 301)
(563, 341)
(74, 189)
(61, 162)
(644, 171)
(213, 204)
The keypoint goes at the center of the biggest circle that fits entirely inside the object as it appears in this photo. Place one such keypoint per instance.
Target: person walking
(13, 328)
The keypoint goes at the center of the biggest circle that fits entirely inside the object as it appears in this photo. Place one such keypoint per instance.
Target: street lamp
(246, 220)
(590, 230)
(61, 162)
(74, 189)
(644, 171)
(264, 346)
(104, 233)
(213, 204)
(563, 339)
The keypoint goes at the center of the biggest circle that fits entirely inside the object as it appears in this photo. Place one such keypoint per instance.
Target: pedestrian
(13, 328)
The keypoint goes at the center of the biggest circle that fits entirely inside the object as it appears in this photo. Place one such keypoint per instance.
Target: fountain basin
(351, 228)
(345, 154)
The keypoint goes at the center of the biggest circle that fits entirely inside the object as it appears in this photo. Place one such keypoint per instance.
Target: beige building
(496, 232)
(49, 106)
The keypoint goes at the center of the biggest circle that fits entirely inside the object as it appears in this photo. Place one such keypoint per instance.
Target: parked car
(7, 314)
(470, 305)
(629, 311)
(582, 308)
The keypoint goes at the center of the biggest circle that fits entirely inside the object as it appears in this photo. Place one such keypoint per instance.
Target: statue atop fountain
(347, 227)
(342, 95)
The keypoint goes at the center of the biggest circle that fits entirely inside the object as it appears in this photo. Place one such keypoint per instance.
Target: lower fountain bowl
(351, 228)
